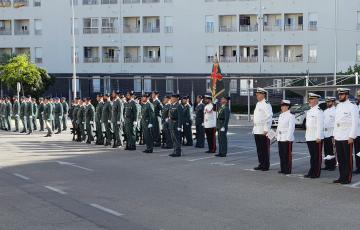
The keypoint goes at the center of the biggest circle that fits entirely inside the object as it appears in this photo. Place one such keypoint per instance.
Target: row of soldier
(30, 114)
(337, 130)
(126, 120)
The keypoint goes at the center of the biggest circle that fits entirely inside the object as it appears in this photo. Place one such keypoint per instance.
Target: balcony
(5, 27)
(273, 22)
(110, 54)
(5, 3)
(22, 27)
(108, 30)
(150, 1)
(131, 1)
(22, 50)
(131, 25)
(91, 55)
(151, 54)
(91, 59)
(293, 53)
(109, 25)
(152, 59)
(132, 54)
(21, 3)
(151, 24)
(248, 23)
(293, 22)
(227, 23)
(228, 54)
(91, 25)
(88, 30)
(248, 54)
(90, 2)
(272, 54)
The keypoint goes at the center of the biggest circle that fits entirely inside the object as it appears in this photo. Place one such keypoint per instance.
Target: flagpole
(74, 49)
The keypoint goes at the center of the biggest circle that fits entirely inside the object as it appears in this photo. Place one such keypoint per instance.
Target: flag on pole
(217, 85)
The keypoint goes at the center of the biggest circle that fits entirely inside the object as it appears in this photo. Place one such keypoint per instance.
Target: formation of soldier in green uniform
(117, 120)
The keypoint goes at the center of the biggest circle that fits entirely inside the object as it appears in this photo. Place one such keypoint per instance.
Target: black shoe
(264, 169)
(28, 133)
(208, 151)
(314, 177)
(47, 135)
(220, 155)
(307, 176)
(345, 182)
(107, 144)
(175, 155)
(337, 181)
(357, 171)
(258, 168)
(88, 142)
(57, 132)
(148, 151)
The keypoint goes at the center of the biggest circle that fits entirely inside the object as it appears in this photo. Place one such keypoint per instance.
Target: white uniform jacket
(314, 124)
(346, 121)
(329, 122)
(262, 117)
(209, 116)
(286, 127)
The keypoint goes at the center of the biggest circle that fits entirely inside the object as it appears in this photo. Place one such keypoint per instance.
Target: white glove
(167, 119)
(202, 124)
(91, 122)
(150, 126)
(16, 115)
(179, 129)
(118, 122)
(222, 129)
(30, 117)
(109, 121)
(83, 122)
(135, 123)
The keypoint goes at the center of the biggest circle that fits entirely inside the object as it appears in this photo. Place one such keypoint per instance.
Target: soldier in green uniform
(58, 114)
(51, 102)
(35, 109)
(130, 121)
(65, 106)
(8, 113)
(175, 125)
(23, 114)
(157, 122)
(48, 117)
(117, 119)
(147, 121)
(222, 123)
(76, 132)
(40, 114)
(29, 115)
(89, 120)
(199, 122)
(16, 113)
(99, 108)
(106, 119)
(166, 139)
(81, 121)
(187, 121)
(2, 109)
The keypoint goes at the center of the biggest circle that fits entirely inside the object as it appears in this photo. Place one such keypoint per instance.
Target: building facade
(169, 45)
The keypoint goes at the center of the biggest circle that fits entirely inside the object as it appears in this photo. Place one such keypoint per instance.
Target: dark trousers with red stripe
(211, 139)
(357, 150)
(329, 150)
(344, 152)
(285, 154)
(315, 150)
(263, 150)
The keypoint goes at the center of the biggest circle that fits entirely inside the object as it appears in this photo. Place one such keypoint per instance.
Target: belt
(343, 125)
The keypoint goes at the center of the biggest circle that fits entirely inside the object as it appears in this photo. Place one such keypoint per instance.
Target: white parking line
(229, 154)
(296, 159)
(222, 164)
(110, 211)
(55, 190)
(74, 165)
(355, 185)
(21, 176)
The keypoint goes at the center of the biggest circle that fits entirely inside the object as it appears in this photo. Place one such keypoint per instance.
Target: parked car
(300, 114)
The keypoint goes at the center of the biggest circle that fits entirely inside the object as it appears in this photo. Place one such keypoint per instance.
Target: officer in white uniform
(329, 123)
(345, 131)
(285, 137)
(262, 125)
(357, 140)
(210, 124)
(314, 135)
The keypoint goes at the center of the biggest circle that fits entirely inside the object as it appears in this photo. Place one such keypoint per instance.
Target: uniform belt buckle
(326, 129)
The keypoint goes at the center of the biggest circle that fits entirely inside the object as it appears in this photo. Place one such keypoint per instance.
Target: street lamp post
(74, 49)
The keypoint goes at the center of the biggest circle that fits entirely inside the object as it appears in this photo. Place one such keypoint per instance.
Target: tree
(34, 80)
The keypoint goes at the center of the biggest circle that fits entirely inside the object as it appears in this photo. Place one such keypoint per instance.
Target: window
(37, 3)
(96, 84)
(312, 53)
(38, 55)
(358, 52)
(147, 85)
(209, 24)
(169, 84)
(244, 87)
(137, 84)
(208, 85)
(91, 25)
(277, 83)
(38, 26)
(233, 85)
(108, 25)
(168, 25)
(313, 21)
(107, 84)
(168, 54)
(210, 53)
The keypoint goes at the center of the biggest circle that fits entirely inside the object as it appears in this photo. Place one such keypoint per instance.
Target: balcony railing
(38, 60)
(129, 29)
(91, 59)
(131, 1)
(228, 59)
(293, 27)
(132, 59)
(293, 59)
(168, 29)
(110, 59)
(150, 1)
(169, 59)
(5, 3)
(248, 28)
(272, 59)
(312, 59)
(227, 29)
(5, 31)
(151, 29)
(91, 30)
(108, 1)
(152, 59)
(90, 2)
(272, 28)
(21, 32)
(20, 3)
(248, 59)
(109, 30)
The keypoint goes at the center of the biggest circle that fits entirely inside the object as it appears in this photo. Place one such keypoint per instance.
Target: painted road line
(222, 164)
(229, 154)
(21, 176)
(251, 170)
(110, 211)
(55, 190)
(354, 185)
(74, 165)
(296, 159)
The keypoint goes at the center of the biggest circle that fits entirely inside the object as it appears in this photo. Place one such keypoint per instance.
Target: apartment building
(169, 45)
